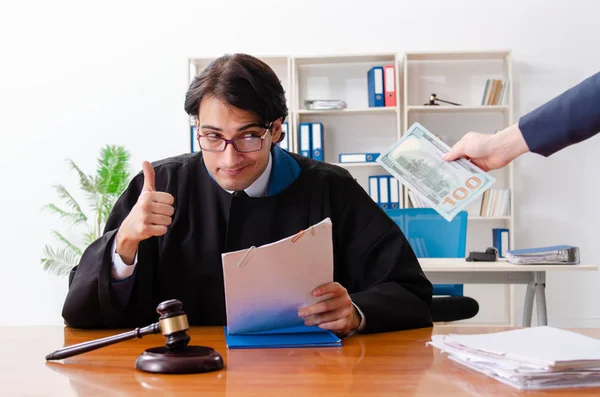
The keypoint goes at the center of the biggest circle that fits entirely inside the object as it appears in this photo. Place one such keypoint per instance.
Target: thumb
(451, 155)
(454, 153)
(148, 177)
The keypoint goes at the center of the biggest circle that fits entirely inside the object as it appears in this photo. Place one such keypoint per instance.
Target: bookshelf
(455, 76)
(358, 126)
(461, 77)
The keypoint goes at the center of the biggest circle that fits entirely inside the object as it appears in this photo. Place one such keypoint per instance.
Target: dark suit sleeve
(92, 301)
(378, 267)
(567, 119)
(123, 288)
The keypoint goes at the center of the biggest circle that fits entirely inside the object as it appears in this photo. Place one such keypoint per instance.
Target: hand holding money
(416, 161)
(490, 151)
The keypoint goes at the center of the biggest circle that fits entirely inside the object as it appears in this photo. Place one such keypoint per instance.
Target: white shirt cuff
(363, 320)
(120, 270)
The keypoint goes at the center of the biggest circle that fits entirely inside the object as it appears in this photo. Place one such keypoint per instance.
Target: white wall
(74, 77)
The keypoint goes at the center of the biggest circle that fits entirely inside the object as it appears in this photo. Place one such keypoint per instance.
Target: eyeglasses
(244, 144)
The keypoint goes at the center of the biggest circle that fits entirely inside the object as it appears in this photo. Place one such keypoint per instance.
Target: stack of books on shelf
(495, 202)
(416, 201)
(495, 92)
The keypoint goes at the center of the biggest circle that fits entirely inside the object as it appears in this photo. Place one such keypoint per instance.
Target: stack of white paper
(530, 358)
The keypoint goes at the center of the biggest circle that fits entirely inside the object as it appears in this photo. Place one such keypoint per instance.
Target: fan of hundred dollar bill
(447, 186)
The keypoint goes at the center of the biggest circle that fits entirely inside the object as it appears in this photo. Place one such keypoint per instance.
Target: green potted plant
(101, 191)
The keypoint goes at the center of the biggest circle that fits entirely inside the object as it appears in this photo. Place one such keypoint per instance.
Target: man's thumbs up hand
(148, 177)
(150, 216)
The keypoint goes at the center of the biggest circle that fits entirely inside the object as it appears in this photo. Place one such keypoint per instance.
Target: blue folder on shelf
(300, 336)
(375, 86)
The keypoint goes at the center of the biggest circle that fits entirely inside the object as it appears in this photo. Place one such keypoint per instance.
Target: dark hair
(242, 81)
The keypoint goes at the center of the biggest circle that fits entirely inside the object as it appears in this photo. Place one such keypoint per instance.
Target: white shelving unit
(458, 109)
(461, 77)
(453, 76)
(356, 129)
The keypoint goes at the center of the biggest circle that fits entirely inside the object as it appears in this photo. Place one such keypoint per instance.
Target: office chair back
(431, 236)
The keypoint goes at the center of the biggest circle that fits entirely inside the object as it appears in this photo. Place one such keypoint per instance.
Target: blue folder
(305, 139)
(300, 336)
(375, 87)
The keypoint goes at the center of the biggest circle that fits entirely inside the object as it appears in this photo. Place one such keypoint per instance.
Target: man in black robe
(166, 233)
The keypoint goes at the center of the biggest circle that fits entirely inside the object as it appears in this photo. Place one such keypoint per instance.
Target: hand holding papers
(266, 286)
(416, 161)
(530, 358)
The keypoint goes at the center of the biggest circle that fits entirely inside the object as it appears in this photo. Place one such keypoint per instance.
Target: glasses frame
(232, 141)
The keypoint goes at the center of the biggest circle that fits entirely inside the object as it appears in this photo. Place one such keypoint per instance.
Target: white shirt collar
(260, 186)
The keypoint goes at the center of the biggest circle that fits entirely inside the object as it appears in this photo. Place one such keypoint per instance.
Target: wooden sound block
(187, 360)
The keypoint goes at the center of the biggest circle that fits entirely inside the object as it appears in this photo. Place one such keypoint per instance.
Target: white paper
(544, 346)
(275, 280)
(529, 358)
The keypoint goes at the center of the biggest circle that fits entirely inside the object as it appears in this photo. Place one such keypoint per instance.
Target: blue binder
(358, 157)
(194, 146)
(501, 241)
(300, 336)
(374, 188)
(375, 87)
(305, 138)
(284, 144)
(384, 191)
(394, 193)
(317, 141)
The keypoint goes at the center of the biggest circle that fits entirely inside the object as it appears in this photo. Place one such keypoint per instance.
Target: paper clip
(301, 232)
(246, 257)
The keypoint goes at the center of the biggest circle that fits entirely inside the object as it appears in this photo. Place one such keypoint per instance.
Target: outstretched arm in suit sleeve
(570, 118)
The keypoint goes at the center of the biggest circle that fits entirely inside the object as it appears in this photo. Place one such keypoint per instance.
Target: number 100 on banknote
(448, 186)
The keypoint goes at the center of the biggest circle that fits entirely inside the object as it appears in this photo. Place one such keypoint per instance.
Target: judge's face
(231, 168)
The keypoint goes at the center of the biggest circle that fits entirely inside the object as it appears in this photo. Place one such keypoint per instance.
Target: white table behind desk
(459, 271)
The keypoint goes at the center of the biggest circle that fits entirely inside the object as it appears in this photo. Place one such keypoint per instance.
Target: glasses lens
(248, 144)
(211, 143)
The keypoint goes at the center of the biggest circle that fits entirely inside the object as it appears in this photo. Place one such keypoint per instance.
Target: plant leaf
(66, 242)
(59, 262)
(74, 218)
(70, 201)
(111, 180)
(86, 182)
(113, 173)
(101, 191)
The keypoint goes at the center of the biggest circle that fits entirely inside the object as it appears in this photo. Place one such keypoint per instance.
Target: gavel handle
(451, 103)
(98, 343)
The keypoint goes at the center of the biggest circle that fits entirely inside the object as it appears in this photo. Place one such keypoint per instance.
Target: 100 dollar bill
(448, 186)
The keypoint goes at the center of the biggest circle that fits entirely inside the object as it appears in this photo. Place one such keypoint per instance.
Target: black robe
(372, 258)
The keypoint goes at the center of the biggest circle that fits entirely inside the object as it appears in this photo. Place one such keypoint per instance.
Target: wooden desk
(459, 271)
(392, 364)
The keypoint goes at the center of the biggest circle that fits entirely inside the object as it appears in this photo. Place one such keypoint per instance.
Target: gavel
(175, 357)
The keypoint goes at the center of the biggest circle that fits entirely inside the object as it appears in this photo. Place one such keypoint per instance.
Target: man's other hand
(337, 313)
